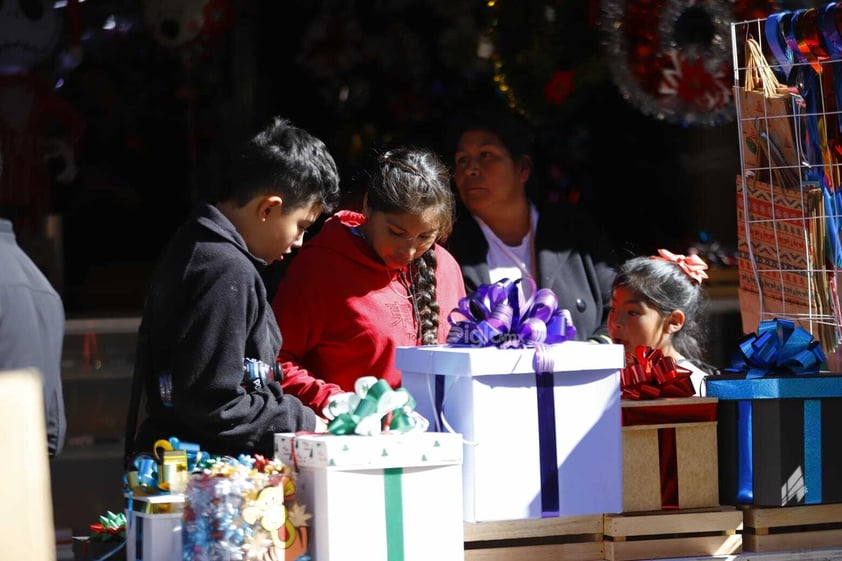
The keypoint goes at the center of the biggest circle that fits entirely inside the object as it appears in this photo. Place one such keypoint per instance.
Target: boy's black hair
(285, 160)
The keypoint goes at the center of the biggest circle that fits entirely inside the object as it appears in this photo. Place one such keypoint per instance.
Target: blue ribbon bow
(778, 347)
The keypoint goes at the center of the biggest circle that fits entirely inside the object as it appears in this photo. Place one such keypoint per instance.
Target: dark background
(159, 116)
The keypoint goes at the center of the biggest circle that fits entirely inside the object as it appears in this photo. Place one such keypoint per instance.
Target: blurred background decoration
(635, 125)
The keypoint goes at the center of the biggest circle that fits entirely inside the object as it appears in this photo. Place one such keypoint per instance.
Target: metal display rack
(789, 191)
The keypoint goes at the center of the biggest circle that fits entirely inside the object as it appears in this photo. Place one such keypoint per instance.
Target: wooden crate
(791, 527)
(678, 533)
(572, 538)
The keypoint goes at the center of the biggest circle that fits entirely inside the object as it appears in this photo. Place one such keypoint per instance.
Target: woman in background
(504, 232)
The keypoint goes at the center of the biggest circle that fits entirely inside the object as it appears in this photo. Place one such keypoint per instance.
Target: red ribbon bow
(692, 265)
(650, 374)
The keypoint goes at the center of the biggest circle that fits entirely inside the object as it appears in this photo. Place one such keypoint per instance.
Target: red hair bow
(692, 265)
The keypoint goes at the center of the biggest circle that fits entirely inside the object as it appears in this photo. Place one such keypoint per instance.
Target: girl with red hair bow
(658, 302)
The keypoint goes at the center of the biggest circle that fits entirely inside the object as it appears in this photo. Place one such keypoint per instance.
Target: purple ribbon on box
(498, 315)
(778, 347)
(492, 316)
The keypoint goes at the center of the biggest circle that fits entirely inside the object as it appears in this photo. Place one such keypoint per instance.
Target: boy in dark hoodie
(207, 312)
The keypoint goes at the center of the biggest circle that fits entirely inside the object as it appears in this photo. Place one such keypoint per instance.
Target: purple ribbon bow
(492, 316)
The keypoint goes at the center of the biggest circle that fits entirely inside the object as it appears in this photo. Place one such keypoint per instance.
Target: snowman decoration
(39, 130)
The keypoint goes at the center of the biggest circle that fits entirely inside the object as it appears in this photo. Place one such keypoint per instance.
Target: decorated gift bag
(781, 249)
(244, 508)
(767, 123)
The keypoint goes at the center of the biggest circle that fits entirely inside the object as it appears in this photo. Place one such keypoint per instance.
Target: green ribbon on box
(372, 408)
(393, 493)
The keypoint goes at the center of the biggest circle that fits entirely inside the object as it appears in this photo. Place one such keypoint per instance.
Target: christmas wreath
(672, 59)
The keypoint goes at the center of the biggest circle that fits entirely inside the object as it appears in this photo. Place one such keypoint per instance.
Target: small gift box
(669, 437)
(154, 527)
(777, 419)
(669, 454)
(379, 497)
(540, 414)
(155, 500)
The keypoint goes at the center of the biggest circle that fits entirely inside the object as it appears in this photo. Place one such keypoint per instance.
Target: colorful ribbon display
(778, 347)
(373, 408)
(170, 458)
(807, 45)
(649, 374)
(499, 315)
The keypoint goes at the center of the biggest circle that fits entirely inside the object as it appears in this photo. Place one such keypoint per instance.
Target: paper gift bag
(781, 256)
(765, 108)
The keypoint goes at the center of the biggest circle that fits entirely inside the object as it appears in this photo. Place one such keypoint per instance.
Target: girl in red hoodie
(370, 281)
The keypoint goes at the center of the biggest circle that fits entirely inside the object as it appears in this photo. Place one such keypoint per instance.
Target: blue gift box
(777, 442)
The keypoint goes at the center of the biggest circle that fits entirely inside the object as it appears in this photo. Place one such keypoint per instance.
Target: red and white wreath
(672, 59)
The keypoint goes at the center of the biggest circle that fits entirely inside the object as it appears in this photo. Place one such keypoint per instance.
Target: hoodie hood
(338, 236)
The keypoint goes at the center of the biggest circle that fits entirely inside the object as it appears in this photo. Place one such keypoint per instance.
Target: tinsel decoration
(545, 55)
(672, 59)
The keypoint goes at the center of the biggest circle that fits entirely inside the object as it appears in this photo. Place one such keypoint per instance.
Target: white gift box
(154, 528)
(382, 497)
(386, 450)
(536, 445)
